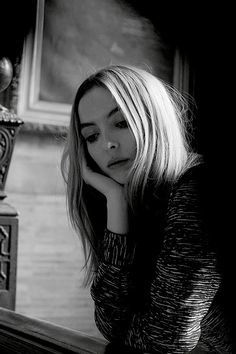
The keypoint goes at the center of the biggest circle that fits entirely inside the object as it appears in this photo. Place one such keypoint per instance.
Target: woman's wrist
(118, 249)
(117, 213)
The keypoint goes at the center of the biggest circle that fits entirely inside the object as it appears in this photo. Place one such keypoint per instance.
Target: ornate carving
(6, 144)
(9, 125)
(4, 257)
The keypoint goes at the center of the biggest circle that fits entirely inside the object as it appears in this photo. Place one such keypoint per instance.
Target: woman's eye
(122, 124)
(92, 138)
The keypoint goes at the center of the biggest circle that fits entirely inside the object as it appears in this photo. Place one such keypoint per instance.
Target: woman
(136, 194)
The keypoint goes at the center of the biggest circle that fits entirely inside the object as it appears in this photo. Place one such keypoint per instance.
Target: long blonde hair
(157, 116)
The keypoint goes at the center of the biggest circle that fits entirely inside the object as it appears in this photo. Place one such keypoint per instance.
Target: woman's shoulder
(192, 181)
(196, 175)
(193, 187)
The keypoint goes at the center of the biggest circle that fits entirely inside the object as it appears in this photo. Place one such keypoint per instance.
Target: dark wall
(196, 30)
(17, 17)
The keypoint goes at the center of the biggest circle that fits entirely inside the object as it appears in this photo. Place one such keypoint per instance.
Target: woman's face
(109, 140)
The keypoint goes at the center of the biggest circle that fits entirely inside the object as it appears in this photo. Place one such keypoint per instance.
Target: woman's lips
(118, 164)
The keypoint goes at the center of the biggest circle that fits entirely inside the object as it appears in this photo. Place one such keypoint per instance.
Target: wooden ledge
(20, 334)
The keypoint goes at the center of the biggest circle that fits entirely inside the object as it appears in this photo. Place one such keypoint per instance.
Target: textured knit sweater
(158, 291)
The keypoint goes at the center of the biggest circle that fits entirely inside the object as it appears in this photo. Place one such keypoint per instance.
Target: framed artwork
(74, 38)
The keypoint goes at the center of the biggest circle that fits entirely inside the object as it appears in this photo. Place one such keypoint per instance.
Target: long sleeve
(183, 287)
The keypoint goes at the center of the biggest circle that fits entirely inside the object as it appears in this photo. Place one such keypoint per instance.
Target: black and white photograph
(116, 178)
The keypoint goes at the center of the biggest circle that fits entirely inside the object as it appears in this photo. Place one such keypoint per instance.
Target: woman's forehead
(96, 103)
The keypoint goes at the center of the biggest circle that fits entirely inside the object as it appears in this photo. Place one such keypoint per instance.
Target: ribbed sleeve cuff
(117, 250)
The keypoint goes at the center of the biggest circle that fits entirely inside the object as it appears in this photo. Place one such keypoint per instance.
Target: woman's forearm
(117, 213)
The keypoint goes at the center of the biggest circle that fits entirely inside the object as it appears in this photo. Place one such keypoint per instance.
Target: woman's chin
(120, 178)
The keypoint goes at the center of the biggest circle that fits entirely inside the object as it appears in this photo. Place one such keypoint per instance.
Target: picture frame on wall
(72, 39)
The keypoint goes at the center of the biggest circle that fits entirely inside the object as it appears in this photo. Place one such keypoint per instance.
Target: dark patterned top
(174, 306)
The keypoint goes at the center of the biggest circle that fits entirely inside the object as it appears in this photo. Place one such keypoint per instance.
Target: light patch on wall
(74, 38)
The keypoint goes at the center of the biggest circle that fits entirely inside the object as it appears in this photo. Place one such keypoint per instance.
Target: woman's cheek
(90, 150)
(93, 152)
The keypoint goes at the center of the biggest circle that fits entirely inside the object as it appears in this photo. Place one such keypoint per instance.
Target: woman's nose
(112, 145)
(110, 140)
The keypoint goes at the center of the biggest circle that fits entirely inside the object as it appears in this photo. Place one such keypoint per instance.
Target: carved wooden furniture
(9, 125)
(8, 255)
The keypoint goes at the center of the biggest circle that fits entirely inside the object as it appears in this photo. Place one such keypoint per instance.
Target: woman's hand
(105, 185)
(117, 206)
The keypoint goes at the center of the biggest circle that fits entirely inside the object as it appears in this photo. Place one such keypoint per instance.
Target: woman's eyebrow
(89, 124)
(113, 111)
(84, 125)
